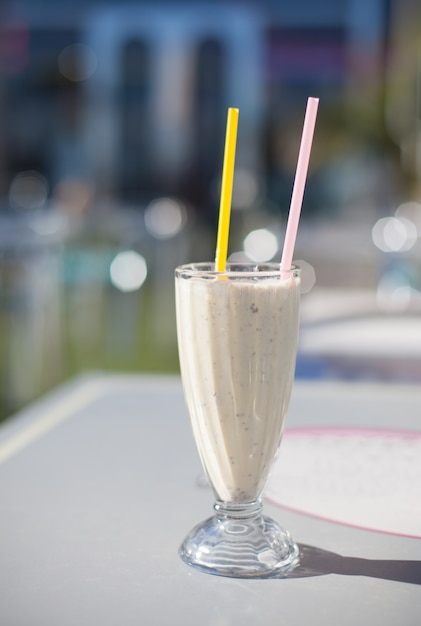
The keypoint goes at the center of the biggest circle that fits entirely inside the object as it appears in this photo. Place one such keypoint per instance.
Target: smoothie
(237, 340)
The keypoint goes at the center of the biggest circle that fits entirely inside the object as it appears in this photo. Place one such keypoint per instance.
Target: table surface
(98, 486)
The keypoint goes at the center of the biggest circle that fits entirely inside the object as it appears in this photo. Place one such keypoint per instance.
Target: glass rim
(243, 269)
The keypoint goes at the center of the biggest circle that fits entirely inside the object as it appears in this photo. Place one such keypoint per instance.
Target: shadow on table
(317, 562)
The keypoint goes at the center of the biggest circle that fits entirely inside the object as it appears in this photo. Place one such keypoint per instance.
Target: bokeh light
(165, 218)
(73, 196)
(245, 189)
(77, 62)
(392, 234)
(239, 256)
(47, 223)
(261, 245)
(128, 271)
(29, 190)
(410, 211)
(394, 297)
(307, 275)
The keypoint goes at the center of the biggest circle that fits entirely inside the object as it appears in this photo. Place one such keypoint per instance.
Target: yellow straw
(226, 190)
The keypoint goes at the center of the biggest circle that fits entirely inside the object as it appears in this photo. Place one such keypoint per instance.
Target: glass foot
(241, 543)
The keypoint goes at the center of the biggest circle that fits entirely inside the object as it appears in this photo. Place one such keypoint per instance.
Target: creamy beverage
(237, 328)
(237, 337)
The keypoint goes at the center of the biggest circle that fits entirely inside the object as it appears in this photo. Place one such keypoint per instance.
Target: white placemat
(360, 477)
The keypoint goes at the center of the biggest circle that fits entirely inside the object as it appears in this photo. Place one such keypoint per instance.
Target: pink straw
(299, 183)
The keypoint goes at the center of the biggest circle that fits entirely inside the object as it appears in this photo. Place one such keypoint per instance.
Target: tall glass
(237, 338)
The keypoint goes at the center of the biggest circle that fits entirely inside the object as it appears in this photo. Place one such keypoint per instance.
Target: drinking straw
(226, 190)
(299, 183)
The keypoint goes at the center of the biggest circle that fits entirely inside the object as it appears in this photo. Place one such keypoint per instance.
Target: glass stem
(238, 510)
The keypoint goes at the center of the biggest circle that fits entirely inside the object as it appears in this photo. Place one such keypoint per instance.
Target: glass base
(240, 542)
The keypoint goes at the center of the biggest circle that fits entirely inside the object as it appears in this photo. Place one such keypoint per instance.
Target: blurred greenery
(76, 320)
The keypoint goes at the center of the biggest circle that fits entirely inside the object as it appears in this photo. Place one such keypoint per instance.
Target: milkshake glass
(237, 336)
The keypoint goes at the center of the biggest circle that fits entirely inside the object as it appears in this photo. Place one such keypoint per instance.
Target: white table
(98, 486)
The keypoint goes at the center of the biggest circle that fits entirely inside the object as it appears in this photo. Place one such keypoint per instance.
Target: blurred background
(112, 125)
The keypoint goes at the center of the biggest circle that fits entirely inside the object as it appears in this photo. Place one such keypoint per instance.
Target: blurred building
(130, 99)
(112, 123)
